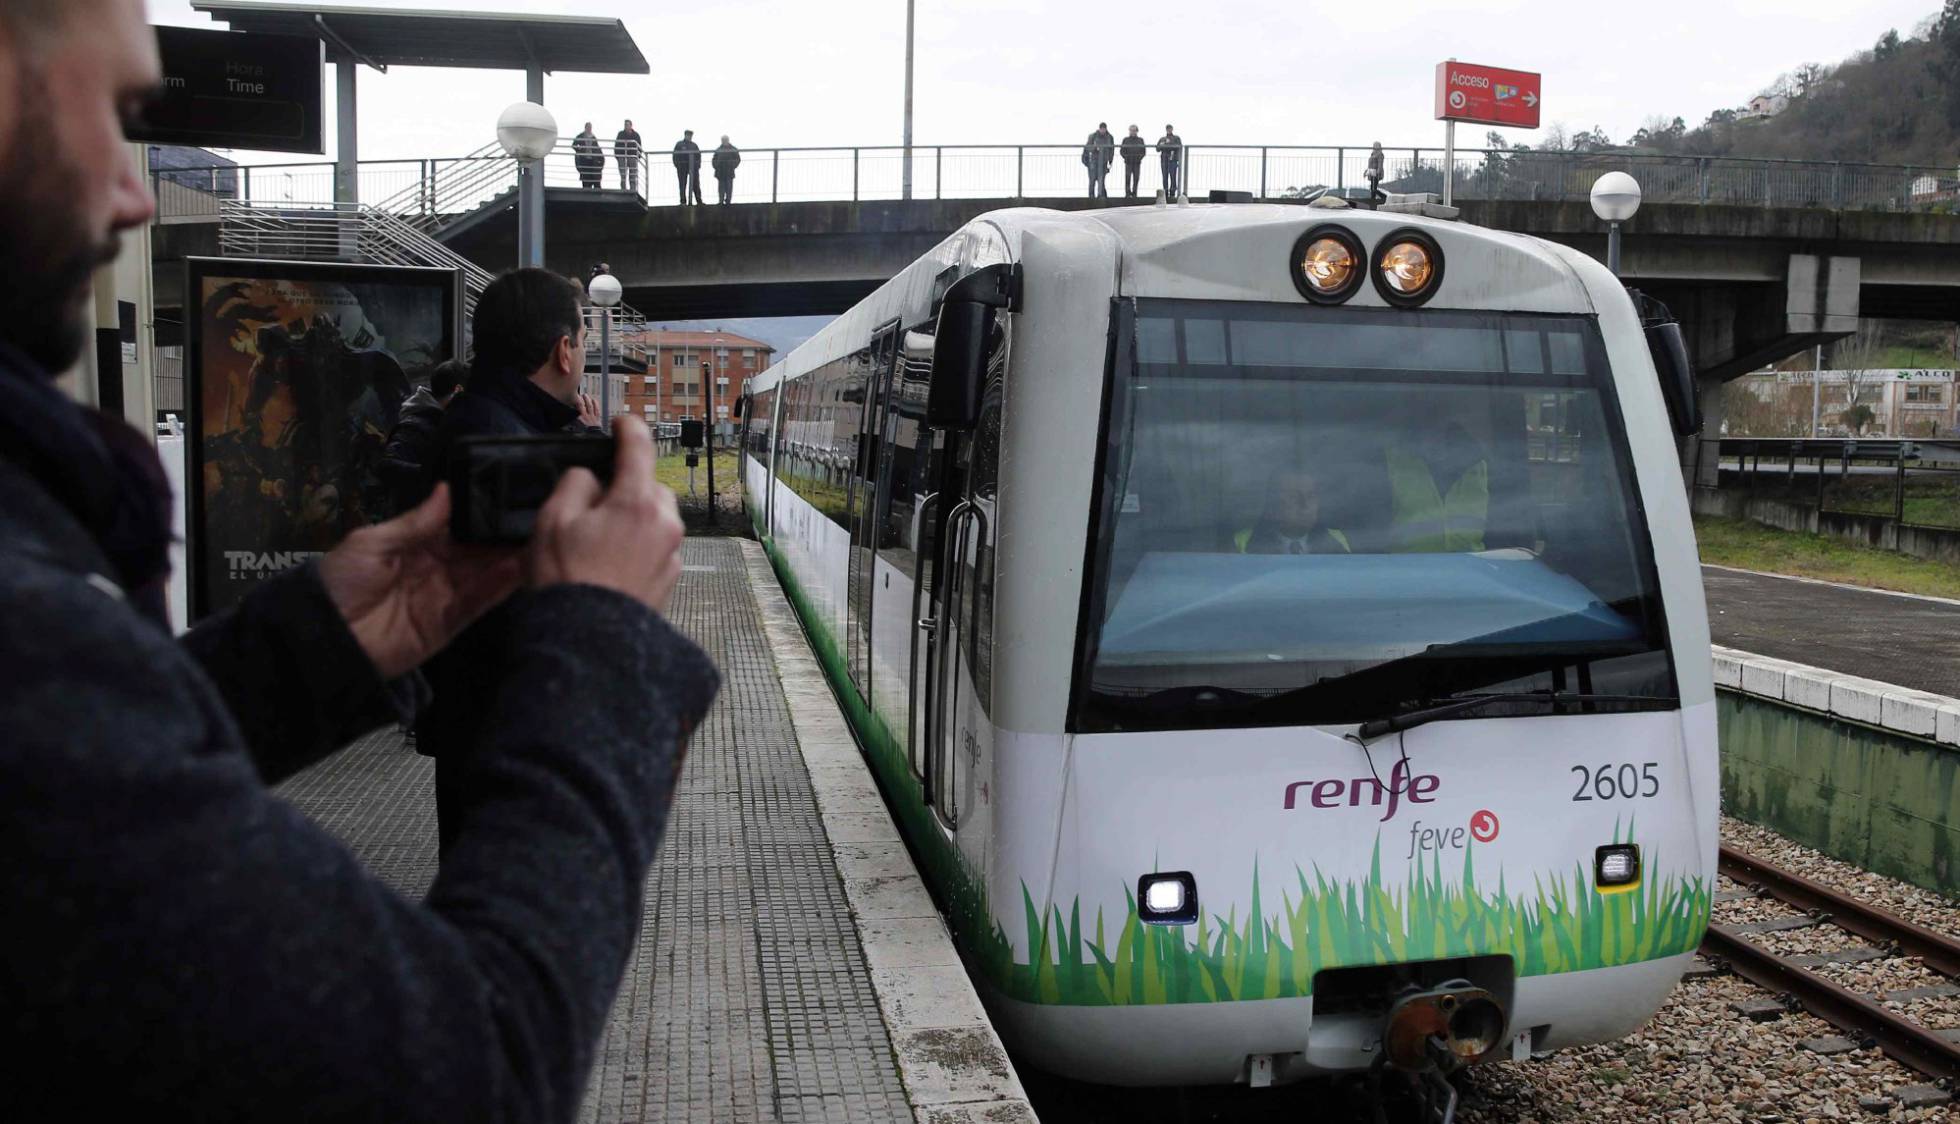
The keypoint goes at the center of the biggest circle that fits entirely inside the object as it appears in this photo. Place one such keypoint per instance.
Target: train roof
(1230, 251)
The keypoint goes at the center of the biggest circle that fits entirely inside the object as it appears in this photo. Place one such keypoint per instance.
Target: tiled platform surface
(750, 995)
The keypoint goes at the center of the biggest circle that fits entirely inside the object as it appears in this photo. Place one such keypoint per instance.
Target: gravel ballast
(1698, 1059)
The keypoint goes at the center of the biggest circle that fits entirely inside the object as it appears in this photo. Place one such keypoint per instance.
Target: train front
(1389, 731)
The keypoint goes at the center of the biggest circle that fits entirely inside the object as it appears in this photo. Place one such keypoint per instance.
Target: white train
(1277, 629)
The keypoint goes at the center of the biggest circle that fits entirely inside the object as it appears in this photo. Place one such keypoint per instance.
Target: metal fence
(1896, 480)
(454, 185)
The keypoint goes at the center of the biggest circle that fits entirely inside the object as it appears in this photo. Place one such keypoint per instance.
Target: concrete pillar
(346, 170)
(347, 160)
(1706, 445)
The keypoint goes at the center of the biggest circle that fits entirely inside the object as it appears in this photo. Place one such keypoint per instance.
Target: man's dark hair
(520, 318)
(447, 377)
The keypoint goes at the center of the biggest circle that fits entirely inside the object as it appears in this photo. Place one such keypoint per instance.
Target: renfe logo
(1330, 793)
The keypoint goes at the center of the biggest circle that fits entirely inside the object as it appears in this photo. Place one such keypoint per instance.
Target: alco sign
(234, 89)
(1486, 95)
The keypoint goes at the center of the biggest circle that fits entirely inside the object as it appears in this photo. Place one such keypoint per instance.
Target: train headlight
(1167, 899)
(1617, 866)
(1327, 264)
(1408, 267)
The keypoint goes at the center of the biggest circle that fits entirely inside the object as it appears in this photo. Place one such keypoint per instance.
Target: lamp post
(528, 132)
(908, 100)
(1615, 198)
(605, 292)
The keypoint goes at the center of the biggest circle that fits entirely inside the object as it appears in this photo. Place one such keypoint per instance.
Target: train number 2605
(1625, 782)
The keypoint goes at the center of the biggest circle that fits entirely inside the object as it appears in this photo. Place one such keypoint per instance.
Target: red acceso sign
(1486, 95)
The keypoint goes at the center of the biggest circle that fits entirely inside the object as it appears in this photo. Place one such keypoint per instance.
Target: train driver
(1290, 522)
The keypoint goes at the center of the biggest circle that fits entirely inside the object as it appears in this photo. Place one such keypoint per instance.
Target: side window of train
(906, 444)
(788, 448)
(756, 422)
(820, 433)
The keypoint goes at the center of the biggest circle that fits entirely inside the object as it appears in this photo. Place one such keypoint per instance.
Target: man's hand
(406, 590)
(588, 410)
(627, 539)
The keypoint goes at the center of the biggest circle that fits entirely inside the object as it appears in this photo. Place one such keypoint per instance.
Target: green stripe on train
(1565, 925)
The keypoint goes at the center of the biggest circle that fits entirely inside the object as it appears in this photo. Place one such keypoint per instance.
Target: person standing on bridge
(627, 150)
(1133, 150)
(687, 167)
(1170, 161)
(1097, 155)
(181, 942)
(727, 157)
(588, 158)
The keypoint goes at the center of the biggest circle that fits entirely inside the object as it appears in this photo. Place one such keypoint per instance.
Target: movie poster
(296, 374)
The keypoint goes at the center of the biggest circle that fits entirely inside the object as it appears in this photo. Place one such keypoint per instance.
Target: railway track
(1859, 1016)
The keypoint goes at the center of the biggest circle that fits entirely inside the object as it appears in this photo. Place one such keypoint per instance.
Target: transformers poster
(297, 372)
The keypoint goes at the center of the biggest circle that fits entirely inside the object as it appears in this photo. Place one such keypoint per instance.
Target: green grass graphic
(1562, 925)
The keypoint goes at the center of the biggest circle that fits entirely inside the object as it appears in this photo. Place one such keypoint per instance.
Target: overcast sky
(772, 73)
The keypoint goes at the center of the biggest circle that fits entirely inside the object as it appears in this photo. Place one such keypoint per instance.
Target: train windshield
(1313, 515)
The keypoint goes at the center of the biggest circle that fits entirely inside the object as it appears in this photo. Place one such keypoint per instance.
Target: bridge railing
(430, 189)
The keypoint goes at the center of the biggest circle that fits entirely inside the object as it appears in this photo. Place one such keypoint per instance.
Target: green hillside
(1897, 102)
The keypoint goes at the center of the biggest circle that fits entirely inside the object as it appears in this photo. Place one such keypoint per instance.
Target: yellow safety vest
(1430, 521)
(1244, 539)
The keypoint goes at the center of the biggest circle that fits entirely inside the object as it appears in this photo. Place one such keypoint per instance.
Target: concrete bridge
(1750, 284)
(1760, 259)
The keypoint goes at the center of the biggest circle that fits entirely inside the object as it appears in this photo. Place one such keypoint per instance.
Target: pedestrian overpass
(1759, 259)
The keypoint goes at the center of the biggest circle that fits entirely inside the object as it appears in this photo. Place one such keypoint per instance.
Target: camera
(497, 484)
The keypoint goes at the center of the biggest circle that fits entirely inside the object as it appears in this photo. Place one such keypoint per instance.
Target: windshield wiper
(1409, 720)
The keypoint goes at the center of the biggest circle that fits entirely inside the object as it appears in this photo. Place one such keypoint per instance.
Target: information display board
(235, 89)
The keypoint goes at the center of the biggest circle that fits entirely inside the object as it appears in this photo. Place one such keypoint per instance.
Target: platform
(791, 966)
(1897, 638)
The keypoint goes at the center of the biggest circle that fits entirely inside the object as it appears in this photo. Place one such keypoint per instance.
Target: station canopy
(384, 37)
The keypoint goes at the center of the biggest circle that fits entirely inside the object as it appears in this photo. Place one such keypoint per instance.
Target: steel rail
(1940, 952)
(1899, 1037)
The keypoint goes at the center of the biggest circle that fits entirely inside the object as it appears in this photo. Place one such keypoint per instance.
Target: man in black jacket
(529, 335)
(1133, 150)
(687, 166)
(589, 159)
(626, 152)
(403, 468)
(727, 158)
(179, 943)
(1097, 155)
(1170, 160)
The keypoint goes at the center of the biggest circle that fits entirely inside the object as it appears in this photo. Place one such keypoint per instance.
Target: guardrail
(1893, 479)
(453, 185)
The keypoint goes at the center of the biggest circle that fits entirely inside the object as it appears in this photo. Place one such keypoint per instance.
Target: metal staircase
(400, 231)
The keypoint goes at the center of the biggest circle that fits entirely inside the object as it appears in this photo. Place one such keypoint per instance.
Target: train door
(958, 683)
(863, 509)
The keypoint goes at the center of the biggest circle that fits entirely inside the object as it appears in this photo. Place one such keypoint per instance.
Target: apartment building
(693, 374)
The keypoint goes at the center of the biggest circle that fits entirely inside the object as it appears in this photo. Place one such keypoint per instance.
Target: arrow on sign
(1531, 100)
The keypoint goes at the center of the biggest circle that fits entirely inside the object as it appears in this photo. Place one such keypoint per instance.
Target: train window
(1358, 511)
(979, 586)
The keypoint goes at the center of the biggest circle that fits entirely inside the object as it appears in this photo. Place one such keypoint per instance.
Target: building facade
(1902, 403)
(693, 375)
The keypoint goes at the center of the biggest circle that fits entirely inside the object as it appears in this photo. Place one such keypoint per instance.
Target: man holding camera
(180, 944)
(529, 359)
